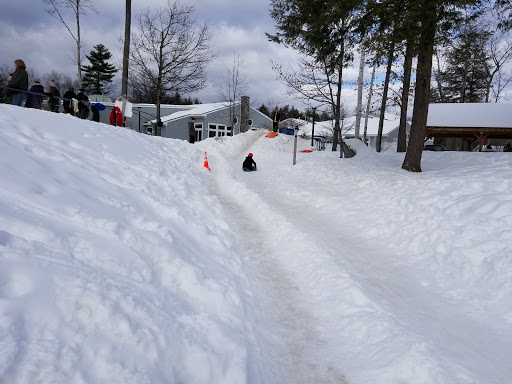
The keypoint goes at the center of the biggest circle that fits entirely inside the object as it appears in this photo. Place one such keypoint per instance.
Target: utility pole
(313, 129)
(126, 54)
(295, 145)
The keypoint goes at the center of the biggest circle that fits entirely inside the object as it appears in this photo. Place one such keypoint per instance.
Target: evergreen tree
(99, 74)
(264, 109)
(466, 77)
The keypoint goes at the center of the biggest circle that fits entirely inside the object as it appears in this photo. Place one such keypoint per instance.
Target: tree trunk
(412, 160)
(126, 50)
(337, 109)
(464, 81)
(78, 42)
(159, 86)
(437, 76)
(402, 130)
(391, 54)
(369, 101)
(360, 82)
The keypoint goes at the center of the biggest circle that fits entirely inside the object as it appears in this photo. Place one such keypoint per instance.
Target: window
(199, 131)
(218, 130)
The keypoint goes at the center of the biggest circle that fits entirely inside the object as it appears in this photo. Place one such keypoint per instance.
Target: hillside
(124, 260)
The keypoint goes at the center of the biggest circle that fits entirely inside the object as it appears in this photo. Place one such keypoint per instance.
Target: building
(489, 123)
(325, 129)
(211, 120)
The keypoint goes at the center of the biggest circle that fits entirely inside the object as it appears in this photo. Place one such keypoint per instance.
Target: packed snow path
(375, 284)
(123, 260)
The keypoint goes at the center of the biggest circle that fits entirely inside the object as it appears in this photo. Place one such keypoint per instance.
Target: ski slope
(124, 260)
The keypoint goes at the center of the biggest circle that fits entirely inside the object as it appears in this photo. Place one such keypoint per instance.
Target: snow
(195, 110)
(124, 260)
(474, 115)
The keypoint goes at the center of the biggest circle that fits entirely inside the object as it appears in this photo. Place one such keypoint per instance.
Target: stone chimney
(244, 114)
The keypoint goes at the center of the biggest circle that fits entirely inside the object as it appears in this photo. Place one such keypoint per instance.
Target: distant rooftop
(471, 115)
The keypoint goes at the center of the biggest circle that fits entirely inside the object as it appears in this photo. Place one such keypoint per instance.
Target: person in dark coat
(66, 103)
(249, 163)
(83, 104)
(276, 117)
(2, 96)
(192, 130)
(6, 95)
(35, 96)
(53, 97)
(18, 83)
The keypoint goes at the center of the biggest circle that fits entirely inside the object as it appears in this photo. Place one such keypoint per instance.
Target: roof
(196, 110)
(470, 115)
(391, 122)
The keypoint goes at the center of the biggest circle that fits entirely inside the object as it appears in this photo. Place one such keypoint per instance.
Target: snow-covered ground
(124, 260)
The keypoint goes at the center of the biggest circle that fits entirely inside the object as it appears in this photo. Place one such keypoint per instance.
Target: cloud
(28, 32)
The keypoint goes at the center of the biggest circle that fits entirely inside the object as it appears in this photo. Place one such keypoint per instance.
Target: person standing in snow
(7, 98)
(192, 130)
(83, 104)
(53, 97)
(35, 97)
(249, 163)
(276, 117)
(95, 113)
(18, 83)
(66, 103)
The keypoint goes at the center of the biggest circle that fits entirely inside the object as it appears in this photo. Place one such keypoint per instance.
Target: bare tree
(235, 85)
(170, 51)
(79, 7)
(499, 48)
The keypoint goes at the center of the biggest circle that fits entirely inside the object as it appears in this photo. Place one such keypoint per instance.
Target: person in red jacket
(116, 117)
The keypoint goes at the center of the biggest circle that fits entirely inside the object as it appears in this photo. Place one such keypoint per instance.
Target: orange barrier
(206, 161)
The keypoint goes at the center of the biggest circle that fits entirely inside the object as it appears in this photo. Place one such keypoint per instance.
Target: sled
(306, 150)
(248, 170)
(271, 134)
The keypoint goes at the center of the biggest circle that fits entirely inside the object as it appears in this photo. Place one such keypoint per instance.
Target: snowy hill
(124, 260)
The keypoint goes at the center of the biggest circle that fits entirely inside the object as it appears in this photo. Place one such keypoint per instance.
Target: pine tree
(99, 74)
(466, 77)
(264, 109)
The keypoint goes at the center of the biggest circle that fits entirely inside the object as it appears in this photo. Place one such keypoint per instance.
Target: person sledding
(249, 163)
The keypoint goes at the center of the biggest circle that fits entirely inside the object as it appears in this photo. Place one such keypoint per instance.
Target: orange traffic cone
(206, 161)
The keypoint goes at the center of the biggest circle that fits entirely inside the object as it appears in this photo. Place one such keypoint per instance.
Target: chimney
(244, 114)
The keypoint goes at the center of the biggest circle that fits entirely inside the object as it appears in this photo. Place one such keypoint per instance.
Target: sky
(124, 260)
(28, 32)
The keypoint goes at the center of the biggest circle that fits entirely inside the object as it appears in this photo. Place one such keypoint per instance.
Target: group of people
(17, 89)
(77, 104)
